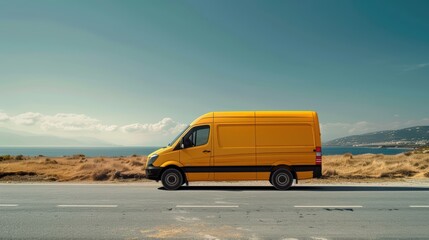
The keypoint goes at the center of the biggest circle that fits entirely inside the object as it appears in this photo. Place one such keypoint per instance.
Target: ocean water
(128, 151)
(68, 151)
(362, 150)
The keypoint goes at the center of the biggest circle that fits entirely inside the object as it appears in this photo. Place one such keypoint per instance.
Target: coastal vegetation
(409, 165)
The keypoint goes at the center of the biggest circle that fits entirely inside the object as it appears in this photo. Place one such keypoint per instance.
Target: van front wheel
(172, 179)
(282, 179)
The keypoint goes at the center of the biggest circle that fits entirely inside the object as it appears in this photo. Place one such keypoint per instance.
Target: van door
(196, 154)
(281, 141)
(234, 149)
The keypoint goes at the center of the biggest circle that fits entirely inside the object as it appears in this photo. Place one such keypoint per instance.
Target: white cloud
(361, 127)
(412, 123)
(166, 125)
(338, 129)
(74, 122)
(416, 67)
(59, 121)
(28, 118)
(70, 122)
(4, 117)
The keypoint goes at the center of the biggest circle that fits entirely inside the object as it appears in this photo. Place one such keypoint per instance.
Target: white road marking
(207, 206)
(8, 205)
(187, 219)
(87, 206)
(354, 206)
(419, 206)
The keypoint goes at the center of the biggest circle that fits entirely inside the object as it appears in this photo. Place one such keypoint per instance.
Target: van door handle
(206, 151)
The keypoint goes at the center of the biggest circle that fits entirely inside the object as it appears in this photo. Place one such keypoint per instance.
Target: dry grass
(79, 168)
(75, 168)
(407, 165)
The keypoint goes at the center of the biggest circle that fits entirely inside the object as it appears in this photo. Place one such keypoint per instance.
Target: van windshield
(180, 134)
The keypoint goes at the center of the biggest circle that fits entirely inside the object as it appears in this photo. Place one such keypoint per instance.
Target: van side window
(197, 136)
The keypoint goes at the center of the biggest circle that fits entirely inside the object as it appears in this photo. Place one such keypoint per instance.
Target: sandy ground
(337, 169)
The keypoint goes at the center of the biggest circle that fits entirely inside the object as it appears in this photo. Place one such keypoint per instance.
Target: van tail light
(318, 155)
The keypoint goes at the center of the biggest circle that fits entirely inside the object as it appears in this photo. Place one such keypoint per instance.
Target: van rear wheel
(172, 179)
(282, 179)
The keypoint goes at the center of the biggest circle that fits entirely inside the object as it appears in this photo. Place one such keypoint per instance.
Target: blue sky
(134, 72)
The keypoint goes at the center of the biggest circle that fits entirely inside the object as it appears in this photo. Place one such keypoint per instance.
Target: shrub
(122, 175)
(50, 161)
(398, 173)
(99, 160)
(77, 156)
(19, 157)
(408, 154)
(101, 175)
(330, 173)
(136, 163)
(5, 157)
(117, 174)
(51, 178)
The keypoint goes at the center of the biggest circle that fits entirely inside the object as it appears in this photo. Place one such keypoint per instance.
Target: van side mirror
(182, 144)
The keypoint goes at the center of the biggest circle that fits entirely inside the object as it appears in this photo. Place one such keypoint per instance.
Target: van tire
(281, 179)
(172, 179)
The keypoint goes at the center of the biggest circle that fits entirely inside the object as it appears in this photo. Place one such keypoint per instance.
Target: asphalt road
(118, 211)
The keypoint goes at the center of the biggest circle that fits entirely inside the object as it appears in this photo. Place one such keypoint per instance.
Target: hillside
(407, 137)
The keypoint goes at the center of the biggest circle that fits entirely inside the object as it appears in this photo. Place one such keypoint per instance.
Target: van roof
(237, 114)
(264, 114)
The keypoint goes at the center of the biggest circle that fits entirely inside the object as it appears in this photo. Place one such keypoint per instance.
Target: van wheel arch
(185, 180)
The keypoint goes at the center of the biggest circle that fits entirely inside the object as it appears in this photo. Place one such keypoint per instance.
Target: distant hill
(10, 137)
(407, 137)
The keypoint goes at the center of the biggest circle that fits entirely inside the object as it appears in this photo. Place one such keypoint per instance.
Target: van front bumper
(153, 173)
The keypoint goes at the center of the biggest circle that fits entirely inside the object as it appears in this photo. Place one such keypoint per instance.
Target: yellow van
(277, 146)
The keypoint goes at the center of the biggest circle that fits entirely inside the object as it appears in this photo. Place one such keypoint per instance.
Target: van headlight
(152, 159)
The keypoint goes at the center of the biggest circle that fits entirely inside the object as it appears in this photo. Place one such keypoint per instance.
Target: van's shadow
(305, 188)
